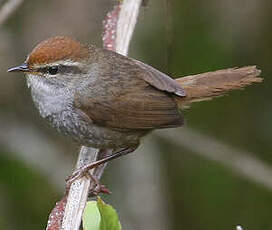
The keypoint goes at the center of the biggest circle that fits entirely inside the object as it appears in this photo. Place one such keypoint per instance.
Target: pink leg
(84, 170)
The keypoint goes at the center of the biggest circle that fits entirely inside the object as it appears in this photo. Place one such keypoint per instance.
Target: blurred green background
(164, 185)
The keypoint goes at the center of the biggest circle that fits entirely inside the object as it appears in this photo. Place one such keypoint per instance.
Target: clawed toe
(81, 172)
(77, 174)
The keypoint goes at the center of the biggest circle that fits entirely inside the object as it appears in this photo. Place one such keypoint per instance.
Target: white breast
(49, 98)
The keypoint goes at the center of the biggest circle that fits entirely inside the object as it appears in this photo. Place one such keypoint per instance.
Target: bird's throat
(48, 98)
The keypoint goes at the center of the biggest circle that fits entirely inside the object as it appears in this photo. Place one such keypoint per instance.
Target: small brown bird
(108, 101)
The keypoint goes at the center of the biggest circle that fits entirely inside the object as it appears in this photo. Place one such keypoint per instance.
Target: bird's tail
(206, 86)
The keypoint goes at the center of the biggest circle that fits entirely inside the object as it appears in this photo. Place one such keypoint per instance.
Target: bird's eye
(53, 70)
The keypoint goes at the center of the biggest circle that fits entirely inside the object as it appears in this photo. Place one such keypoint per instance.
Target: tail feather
(208, 85)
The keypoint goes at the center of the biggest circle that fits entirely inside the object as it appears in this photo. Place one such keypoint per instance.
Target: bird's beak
(21, 68)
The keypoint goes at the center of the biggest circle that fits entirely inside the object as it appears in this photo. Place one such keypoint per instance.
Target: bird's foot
(84, 171)
(77, 174)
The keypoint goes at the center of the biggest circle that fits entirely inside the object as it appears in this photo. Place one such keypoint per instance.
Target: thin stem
(241, 162)
(126, 24)
(8, 9)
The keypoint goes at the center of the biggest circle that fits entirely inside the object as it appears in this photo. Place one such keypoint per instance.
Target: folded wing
(127, 94)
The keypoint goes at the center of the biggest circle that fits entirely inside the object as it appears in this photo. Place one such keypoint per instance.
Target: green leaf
(91, 216)
(100, 216)
(109, 217)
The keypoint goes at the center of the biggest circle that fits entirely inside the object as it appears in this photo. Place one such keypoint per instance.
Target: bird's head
(56, 58)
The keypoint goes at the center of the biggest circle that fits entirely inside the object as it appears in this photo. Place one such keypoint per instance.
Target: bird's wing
(128, 94)
(160, 80)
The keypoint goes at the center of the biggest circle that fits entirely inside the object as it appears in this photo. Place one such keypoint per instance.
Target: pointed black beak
(20, 68)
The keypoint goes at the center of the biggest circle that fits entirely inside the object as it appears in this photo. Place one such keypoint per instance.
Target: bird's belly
(89, 134)
(56, 106)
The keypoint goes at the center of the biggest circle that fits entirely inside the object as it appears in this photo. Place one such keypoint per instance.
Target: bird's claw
(77, 174)
(81, 172)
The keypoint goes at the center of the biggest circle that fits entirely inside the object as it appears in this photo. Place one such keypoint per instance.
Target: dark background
(163, 185)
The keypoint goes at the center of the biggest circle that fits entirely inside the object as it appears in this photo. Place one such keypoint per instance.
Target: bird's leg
(84, 170)
(96, 186)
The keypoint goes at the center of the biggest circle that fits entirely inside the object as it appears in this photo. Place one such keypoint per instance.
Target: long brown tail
(208, 85)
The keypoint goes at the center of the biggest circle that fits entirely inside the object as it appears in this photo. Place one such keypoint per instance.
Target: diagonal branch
(243, 163)
(126, 24)
(79, 190)
(8, 9)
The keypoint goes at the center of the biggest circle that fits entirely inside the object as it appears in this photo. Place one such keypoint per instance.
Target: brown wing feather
(160, 80)
(128, 96)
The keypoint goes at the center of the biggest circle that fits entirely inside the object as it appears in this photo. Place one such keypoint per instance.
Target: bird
(105, 100)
